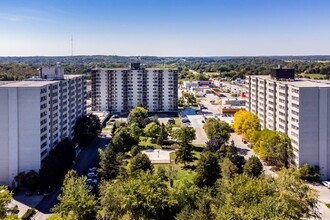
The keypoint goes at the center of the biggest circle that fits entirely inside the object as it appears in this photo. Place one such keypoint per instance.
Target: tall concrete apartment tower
(120, 90)
(300, 108)
(35, 115)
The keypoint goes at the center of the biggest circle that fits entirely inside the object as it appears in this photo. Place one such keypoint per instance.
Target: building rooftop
(119, 69)
(26, 83)
(33, 82)
(298, 82)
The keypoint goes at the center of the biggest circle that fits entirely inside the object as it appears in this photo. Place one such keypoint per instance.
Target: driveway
(87, 158)
(247, 152)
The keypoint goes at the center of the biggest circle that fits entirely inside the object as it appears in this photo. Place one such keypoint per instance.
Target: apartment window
(44, 121)
(295, 98)
(294, 127)
(43, 90)
(281, 113)
(43, 106)
(295, 91)
(43, 153)
(281, 100)
(43, 98)
(43, 145)
(294, 120)
(295, 105)
(294, 112)
(294, 134)
(294, 141)
(43, 137)
(43, 129)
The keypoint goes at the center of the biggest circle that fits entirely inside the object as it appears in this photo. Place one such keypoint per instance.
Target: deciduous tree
(5, 198)
(138, 115)
(140, 162)
(76, 198)
(152, 130)
(87, 128)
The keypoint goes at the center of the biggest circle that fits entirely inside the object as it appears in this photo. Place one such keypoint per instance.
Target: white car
(326, 184)
(92, 175)
(92, 169)
(91, 181)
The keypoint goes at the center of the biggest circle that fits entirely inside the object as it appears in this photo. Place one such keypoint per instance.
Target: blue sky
(165, 27)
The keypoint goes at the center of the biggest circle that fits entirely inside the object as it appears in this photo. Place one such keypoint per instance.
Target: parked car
(326, 184)
(244, 141)
(203, 121)
(91, 181)
(92, 175)
(92, 169)
(115, 116)
(185, 120)
(171, 121)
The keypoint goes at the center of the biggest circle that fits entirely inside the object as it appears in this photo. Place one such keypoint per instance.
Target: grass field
(183, 173)
(146, 142)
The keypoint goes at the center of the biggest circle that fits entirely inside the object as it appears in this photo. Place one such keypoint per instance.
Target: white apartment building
(35, 115)
(300, 108)
(120, 90)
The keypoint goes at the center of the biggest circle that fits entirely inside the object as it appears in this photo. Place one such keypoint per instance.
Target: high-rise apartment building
(120, 90)
(35, 115)
(300, 108)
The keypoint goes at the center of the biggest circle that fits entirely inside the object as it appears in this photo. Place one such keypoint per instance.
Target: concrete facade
(120, 90)
(35, 115)
(299, 108)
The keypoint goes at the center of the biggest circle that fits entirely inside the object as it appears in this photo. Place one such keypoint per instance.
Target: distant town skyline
(165, 28)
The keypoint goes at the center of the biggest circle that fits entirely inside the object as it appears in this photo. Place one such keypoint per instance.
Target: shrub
(29, 214)
(309, 173)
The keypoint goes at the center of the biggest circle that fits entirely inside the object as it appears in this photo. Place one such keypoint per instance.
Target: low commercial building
(231, 106)
(35, 115)
(300, 108)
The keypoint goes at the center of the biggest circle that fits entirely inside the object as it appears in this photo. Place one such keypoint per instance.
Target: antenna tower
(71, 45)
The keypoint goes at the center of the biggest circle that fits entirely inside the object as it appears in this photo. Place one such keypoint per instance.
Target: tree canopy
(75, 198)
(138, 115)
(87, 128)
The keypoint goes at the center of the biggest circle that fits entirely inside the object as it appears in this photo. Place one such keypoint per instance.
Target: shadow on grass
(198, 148)
(189, 167)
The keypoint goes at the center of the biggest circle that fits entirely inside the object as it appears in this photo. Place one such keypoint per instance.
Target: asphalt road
(87, 158)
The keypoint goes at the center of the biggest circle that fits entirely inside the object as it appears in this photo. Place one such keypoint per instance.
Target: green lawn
(146, 142)
(328, 205)
(182, 172)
